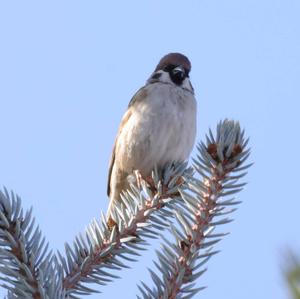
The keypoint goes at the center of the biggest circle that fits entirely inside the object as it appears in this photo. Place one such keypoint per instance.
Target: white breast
(161, 129)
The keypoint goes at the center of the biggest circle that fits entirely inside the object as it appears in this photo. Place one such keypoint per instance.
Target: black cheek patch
(156, 76)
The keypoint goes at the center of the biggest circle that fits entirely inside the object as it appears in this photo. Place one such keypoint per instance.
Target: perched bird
(159, 126)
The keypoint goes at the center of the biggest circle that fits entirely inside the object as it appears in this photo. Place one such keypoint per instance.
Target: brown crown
(174, 59)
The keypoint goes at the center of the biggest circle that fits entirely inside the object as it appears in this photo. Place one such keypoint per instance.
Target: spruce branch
(143, 210)
(24, 257)
(181, 263)
(30, 271)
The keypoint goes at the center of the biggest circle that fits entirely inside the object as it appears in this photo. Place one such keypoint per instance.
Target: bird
(158, 127)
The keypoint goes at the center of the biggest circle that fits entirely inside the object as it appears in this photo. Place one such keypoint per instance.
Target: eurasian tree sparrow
(159, 126)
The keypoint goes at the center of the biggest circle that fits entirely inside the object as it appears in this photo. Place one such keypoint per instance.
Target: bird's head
(173, 68)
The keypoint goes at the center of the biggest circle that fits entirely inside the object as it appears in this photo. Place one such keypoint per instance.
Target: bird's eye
(169, 67)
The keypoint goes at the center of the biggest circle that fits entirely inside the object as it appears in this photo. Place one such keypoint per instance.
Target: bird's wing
(124, 120)
(111, 164)
(139, 96)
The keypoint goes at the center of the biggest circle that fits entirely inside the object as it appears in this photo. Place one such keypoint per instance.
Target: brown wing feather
(125, 118)
(111, 165)
(140, 95)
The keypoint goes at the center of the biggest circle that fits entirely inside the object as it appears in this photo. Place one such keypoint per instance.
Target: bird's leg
(149, 180)
(178, 183)
(111, 223)
(152, 186)
(138, 178)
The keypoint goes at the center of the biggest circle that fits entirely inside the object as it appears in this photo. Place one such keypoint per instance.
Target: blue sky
(67, 72)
